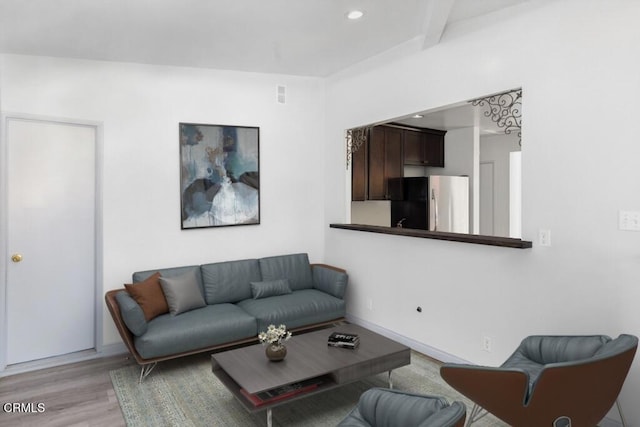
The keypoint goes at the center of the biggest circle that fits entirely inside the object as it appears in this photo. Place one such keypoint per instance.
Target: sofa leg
(146, 370)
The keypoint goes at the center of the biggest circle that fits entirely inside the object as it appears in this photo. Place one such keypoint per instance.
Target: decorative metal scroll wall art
(356, 138)
(505, 110)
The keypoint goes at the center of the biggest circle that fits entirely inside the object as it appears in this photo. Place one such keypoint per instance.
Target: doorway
(487, 218)
(51, 229)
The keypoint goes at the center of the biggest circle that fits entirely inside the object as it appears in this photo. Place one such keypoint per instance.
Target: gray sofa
(234, 301)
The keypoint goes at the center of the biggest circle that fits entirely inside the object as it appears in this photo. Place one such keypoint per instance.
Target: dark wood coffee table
(247, 372)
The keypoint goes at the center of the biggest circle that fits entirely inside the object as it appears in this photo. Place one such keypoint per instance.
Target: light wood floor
(78, 394)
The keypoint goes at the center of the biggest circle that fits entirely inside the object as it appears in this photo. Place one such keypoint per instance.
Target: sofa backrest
(294, 267)
(229, 281)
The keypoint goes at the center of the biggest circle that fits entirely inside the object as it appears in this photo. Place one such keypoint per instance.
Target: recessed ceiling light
(417, 116)
(355, 14)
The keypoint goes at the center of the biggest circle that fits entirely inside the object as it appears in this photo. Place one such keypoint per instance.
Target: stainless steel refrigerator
(435, 203)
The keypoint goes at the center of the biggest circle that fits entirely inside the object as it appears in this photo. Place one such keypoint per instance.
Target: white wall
(141, 107)
(577, 62)
(496, 149)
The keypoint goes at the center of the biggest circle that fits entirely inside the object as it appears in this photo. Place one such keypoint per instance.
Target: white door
(51, 185)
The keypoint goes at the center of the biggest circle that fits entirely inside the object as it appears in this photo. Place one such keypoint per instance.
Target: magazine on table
(344, 340)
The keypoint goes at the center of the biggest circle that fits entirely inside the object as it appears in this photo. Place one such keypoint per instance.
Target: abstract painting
(219, 175)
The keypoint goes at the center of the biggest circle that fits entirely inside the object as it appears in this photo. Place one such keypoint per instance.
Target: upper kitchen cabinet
(424, 147)
(385, 160)
(387, 150)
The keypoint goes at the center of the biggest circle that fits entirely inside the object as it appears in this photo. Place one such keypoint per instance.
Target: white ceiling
(459, 116)
(299, 37)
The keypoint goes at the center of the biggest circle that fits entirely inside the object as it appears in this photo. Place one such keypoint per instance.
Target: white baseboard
(80, 356)
(418, 346)
(435, 353)
(113, 350)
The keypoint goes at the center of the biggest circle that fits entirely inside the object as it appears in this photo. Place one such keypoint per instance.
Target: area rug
(184, 392)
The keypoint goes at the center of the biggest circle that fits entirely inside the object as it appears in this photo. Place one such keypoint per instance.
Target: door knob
(16, 257)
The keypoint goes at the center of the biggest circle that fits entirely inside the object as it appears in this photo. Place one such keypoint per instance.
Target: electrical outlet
(370, 304)
(487, 343)
(544, 237)
(629, 220)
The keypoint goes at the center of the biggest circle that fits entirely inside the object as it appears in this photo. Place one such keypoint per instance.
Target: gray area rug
(185, 392)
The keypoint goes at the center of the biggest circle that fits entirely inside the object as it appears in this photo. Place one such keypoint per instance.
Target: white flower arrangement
(274, 336)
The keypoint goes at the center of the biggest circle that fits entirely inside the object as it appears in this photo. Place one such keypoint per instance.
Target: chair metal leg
(476, 413)
(146, 370)
(624, 423)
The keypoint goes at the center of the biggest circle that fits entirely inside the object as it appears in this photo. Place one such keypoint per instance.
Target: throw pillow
(270, 288)
(182, 293)
(149, 296)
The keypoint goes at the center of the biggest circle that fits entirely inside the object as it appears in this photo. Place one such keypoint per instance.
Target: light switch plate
(629, 220)
(544, 237)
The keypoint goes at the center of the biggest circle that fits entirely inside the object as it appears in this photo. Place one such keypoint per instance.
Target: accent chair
(555, 381)
(382, 407)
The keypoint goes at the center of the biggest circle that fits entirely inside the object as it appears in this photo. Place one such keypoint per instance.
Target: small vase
(275, 352)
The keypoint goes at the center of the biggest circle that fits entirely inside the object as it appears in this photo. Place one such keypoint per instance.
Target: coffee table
(247, 371)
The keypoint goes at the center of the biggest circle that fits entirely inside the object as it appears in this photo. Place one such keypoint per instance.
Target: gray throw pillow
(270, 288)
(182, 293)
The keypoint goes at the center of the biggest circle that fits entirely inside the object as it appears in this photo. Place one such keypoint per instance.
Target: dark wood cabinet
(424, 147)
(383, 156)
(434, 148)
(414, 143)
(385, 160)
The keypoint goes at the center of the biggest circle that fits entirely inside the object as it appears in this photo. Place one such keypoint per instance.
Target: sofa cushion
(204, 327)
(132, 314)
(149, 296)
(294, 267)
(139, 276)
(229, 281)
(270, 288)
(556, 349)
(299, 308)
(536, 351)
(385, 407)
(182, 293)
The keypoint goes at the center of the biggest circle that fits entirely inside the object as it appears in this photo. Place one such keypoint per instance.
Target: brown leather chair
(555, 381)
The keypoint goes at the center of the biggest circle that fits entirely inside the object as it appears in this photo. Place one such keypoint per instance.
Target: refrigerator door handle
(435, 209)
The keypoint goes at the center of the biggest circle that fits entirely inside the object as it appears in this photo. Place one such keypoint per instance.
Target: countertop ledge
(505, 242)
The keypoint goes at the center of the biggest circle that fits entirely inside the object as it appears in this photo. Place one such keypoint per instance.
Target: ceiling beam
(435, 20)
